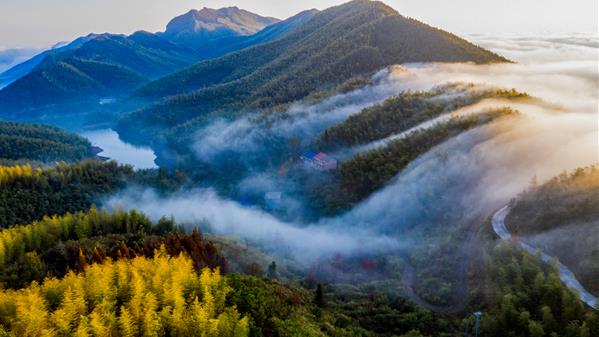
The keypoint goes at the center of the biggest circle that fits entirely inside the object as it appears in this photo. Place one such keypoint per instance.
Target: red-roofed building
(320, 160)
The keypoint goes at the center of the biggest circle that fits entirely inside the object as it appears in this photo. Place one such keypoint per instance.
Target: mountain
(357, 38)
(41, 143)
(142, 52)
(70, 81)
(561, 216)
(220, 46)
(14, 56)
(89, 69)
(196, 28)
(48, 81)
(22, 69)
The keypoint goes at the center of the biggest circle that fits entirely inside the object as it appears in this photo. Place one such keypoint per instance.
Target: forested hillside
(74, 81)
(22, 69)
(338, 173)
(369, 171)
(527, 298)
(29, 194)
(369, 35)
(41, 143)
(107, 65)
(561, 217)
(404, 111)
(139, 297)
(55, 245)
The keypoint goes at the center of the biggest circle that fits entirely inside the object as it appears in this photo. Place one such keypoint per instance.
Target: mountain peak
(207, 23)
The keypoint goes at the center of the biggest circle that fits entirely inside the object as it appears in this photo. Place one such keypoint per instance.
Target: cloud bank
(456, 184)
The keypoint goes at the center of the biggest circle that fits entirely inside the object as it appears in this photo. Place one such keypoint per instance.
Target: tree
(272, 271)
(319, 297)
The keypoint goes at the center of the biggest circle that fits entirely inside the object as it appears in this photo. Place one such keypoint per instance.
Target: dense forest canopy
(30, 194)
(308, 130)
(406, 110)
(296, 65)
(528, 299)
(41, 143)
(56, 245)
(367, 172)
(161, 296)
(561, 216)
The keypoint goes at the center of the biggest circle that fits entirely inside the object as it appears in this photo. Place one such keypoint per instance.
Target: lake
(124, 153)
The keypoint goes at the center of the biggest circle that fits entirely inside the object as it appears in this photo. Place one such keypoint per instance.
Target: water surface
(124, 153)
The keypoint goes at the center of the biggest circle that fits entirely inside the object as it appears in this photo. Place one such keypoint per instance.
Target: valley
(341, 172)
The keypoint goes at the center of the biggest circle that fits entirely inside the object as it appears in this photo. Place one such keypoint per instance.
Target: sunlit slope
(56, 245)
(406, 110)
(28, 194)
(197, 29)
(370, 170)
(561, 217)
(339, 43)
(152, 297)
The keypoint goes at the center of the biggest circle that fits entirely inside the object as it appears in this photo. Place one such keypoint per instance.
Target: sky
(42, 23)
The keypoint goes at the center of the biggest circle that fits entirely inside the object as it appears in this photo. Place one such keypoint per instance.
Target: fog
(455, 185)
(203, 208)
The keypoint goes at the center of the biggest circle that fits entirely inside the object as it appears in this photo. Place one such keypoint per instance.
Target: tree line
(57, 244)
(406, 110)
(41, 143)
(366, 172)
(159, 296)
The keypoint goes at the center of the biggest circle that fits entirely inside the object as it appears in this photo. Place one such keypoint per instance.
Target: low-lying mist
(455, 185)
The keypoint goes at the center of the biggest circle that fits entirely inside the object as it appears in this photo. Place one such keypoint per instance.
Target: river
(124, 153)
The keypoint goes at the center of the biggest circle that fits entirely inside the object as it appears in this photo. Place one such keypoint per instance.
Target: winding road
(565, 274)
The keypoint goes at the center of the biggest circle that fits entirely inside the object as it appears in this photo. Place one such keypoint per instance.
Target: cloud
(303, 243)
(453, 186)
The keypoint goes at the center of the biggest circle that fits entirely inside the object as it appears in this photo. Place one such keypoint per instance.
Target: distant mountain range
(335, 45)
(198, 28)
(244, 62)
(14, 56)
(97, 66)
(25, 67)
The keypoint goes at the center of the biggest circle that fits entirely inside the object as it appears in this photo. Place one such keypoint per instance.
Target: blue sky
(40, 23)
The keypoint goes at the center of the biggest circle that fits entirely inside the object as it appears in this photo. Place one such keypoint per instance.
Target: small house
(320, 161)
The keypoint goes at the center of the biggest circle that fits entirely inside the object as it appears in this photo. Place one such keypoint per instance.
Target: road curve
(567, 277)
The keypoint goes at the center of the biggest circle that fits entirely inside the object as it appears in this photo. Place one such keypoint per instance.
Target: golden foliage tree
(139, 297)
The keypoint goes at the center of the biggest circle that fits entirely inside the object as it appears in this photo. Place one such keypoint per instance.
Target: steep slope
(13, 56)
(41, 143)
(142, 52)
(215, 47)
(196, 28)
(561, 217)
(69, 81)
(22, 69)
(89, 69)
(339, 43)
